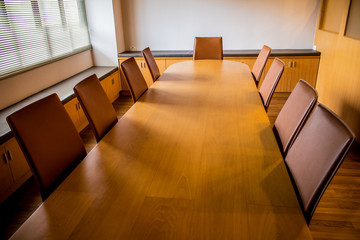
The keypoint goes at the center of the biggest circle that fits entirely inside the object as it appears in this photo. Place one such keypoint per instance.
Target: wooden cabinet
(6, 179)
(18, 164)
(304, 68)
(296, 67)
(14, 170)
(111, 85)
(76, 114)
(144, 70)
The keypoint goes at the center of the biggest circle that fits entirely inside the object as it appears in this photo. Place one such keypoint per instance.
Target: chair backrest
(315, 156)
(150, 61)
(134, 78)
(49, 141)
(259, 64)
(208, 48)
(96, 105)
(294, 113)
(271, 80)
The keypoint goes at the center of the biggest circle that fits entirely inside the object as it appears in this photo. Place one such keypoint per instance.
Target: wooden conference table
(194, 158)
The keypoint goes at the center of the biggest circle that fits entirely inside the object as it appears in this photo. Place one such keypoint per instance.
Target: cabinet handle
(294, 64)
(5, 158)
(9, 155)
(112, 81)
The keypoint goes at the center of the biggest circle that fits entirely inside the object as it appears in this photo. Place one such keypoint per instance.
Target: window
(37, 32)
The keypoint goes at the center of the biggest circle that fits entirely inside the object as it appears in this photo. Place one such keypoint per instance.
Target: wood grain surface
(194, 158)
(339, 73)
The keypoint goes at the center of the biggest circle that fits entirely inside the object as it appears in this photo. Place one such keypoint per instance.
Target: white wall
(243, 24)
(100, 17)
(16, 88)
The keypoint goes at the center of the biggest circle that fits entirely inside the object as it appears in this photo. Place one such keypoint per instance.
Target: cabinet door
(113, 86)
(104, 83)
(71, 108)
(145, 72)
(123, 84)
(284, 83)
(304, 68)
(18, 164)
(83, 122)
(76, 114)
(161, 63)
(6, 179)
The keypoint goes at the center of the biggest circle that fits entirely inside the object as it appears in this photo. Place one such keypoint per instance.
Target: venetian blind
(37, 32)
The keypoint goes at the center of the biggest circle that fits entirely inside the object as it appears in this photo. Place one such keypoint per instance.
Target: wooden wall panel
(338, 80)
(331, 16)
(352, 25)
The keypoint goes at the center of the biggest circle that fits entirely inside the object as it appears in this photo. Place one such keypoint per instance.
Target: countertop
(226, 53)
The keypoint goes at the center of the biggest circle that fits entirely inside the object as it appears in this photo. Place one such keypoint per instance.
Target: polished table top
(194, 158)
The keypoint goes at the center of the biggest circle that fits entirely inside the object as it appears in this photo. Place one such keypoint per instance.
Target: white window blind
(37, 32)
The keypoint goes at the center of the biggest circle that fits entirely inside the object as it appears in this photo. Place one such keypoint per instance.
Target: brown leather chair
(259, 64)
(96, 105)
(316, 155)
(134, 78)
(49, 141)
(208, 48)
(270, 82)
(293, 114)
(150, 61)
